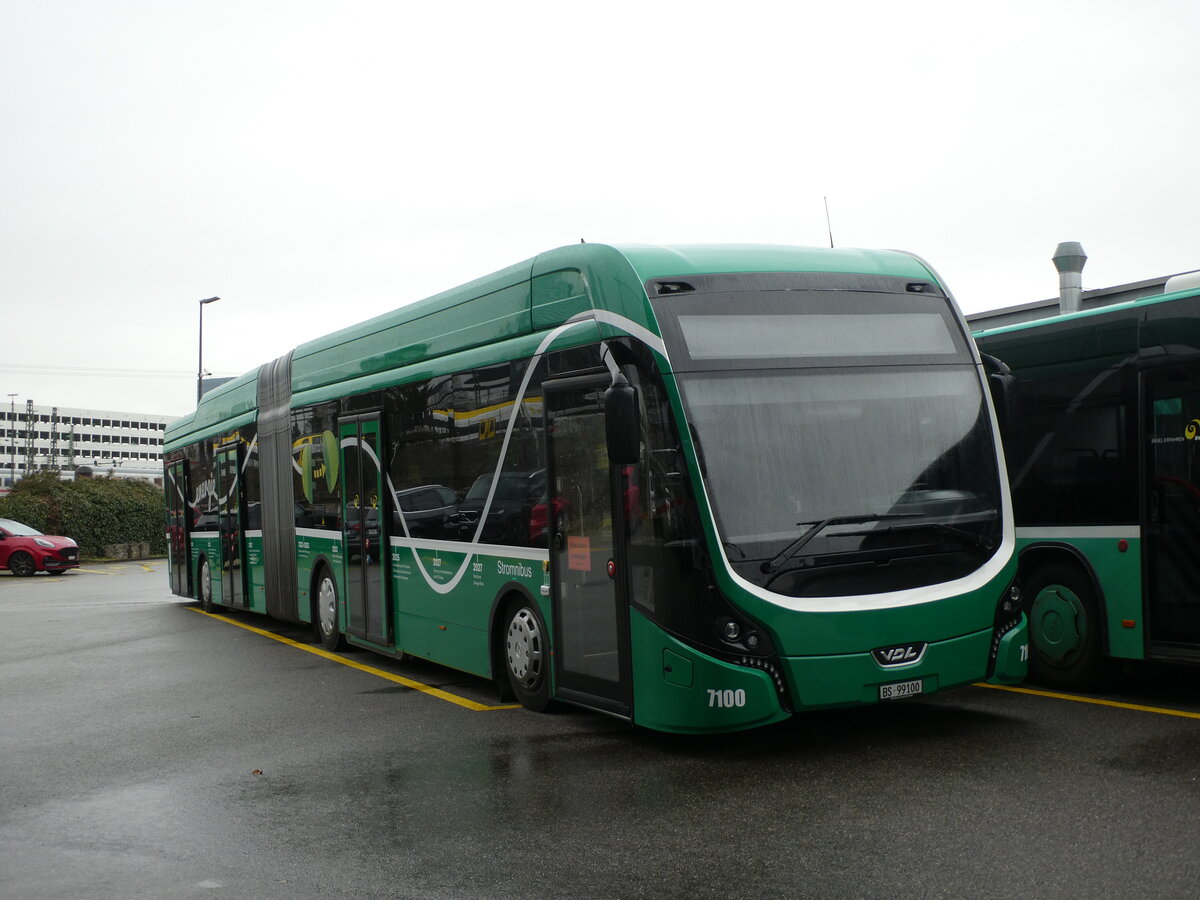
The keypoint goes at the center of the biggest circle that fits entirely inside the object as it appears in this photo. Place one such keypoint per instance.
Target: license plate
(901, 689)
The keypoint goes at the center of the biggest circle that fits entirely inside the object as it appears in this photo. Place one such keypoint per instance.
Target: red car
(25, 550)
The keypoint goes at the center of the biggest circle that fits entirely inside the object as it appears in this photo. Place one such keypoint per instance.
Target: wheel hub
(1060, 624)
(523, 647)
(327, 604)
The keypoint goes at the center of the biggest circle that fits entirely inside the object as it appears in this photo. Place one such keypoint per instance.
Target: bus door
(1172, 534)
(364, 529)
(231, 525)
(178, 545)
(589, 600)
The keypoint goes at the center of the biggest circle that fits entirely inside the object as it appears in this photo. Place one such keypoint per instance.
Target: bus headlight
(1013, 602)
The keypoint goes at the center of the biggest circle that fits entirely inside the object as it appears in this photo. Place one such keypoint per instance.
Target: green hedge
(95, 512)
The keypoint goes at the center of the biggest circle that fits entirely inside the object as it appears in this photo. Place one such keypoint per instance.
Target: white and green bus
(697, 488)
(1104, 461)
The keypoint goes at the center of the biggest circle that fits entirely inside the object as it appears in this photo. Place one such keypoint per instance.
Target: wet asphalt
(148, 750)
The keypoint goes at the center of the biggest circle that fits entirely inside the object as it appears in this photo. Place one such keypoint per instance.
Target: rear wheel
(526, 653)
(328, 625)
(205, 599)
(1065, 627)
(21, 563)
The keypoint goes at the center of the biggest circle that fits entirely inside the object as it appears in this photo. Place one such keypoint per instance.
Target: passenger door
(587, 566)
(364, 529)
(231, 525)
(1172, 534)
(178, 543)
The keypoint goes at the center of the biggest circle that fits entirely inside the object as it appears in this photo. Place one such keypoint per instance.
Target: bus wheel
(1064, 625)
(22, 564)
(327, 612)
(526, 654)
(205, 599)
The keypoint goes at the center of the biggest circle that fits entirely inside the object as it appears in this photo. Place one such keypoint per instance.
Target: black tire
(1066, 645)
(325, 605)
(525, 654)
(22, 564)
(204, 586)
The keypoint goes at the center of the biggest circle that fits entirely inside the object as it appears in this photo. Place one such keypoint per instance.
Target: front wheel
(526, 653)
(328, 625)
(22, 564)
(205, 598)
(1065, 627)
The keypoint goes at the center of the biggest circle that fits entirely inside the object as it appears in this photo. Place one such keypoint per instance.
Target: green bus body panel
(207, 547)
(1119, 576)
(1012, 656)
(396, 340)
(222, 409)
(853, 679)
(313, 550)
(673, 686)
(255, 574)
(515, 348)
(451, 628)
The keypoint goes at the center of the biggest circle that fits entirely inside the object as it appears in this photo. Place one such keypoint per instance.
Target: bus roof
(1111, 309)
(703, 259)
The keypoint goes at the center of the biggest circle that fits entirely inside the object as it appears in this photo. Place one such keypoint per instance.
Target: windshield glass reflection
(817, 473)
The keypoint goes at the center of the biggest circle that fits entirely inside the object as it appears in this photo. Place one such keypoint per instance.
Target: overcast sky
(315, 164)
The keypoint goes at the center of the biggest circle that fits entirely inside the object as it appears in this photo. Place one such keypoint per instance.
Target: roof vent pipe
(1069, 259)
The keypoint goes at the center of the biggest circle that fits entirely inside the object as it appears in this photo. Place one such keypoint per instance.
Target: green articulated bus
(1104, 461)
(697, 488)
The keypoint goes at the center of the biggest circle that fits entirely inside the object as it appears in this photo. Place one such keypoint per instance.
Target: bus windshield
(890, 462)
(844, 439)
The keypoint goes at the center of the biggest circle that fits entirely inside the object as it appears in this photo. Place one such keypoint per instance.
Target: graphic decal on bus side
(207, 489)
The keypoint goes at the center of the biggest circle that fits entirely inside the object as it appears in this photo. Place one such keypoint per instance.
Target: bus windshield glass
(873, 463)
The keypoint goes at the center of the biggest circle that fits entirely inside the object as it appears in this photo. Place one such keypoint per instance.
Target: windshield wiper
(961, 534)
(817, 527)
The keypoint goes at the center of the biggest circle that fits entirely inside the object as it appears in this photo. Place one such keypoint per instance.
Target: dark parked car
(25, 550)
(513, 500)
(426, 511)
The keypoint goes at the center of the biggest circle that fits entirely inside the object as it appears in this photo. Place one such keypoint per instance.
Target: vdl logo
(900, 655)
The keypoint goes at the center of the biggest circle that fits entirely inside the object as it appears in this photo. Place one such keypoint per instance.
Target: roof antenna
(828, 224)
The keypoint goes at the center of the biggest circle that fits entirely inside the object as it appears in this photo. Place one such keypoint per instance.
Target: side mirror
(622, 426)
(1003, 385)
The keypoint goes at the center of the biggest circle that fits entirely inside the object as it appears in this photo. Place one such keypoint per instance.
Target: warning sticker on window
(579, 554)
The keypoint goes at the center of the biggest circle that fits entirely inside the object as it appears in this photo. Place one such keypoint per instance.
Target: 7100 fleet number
(726, 699)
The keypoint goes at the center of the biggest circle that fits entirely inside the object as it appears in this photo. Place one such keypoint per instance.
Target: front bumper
(54, 563)
(854, 679)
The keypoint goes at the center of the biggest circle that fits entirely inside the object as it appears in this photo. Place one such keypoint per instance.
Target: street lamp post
(12, 434)
(200, 358)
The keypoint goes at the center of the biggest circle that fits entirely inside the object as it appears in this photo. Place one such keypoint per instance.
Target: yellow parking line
(362, 667)
(95, 571)
(1117, 704)
(147, 568)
